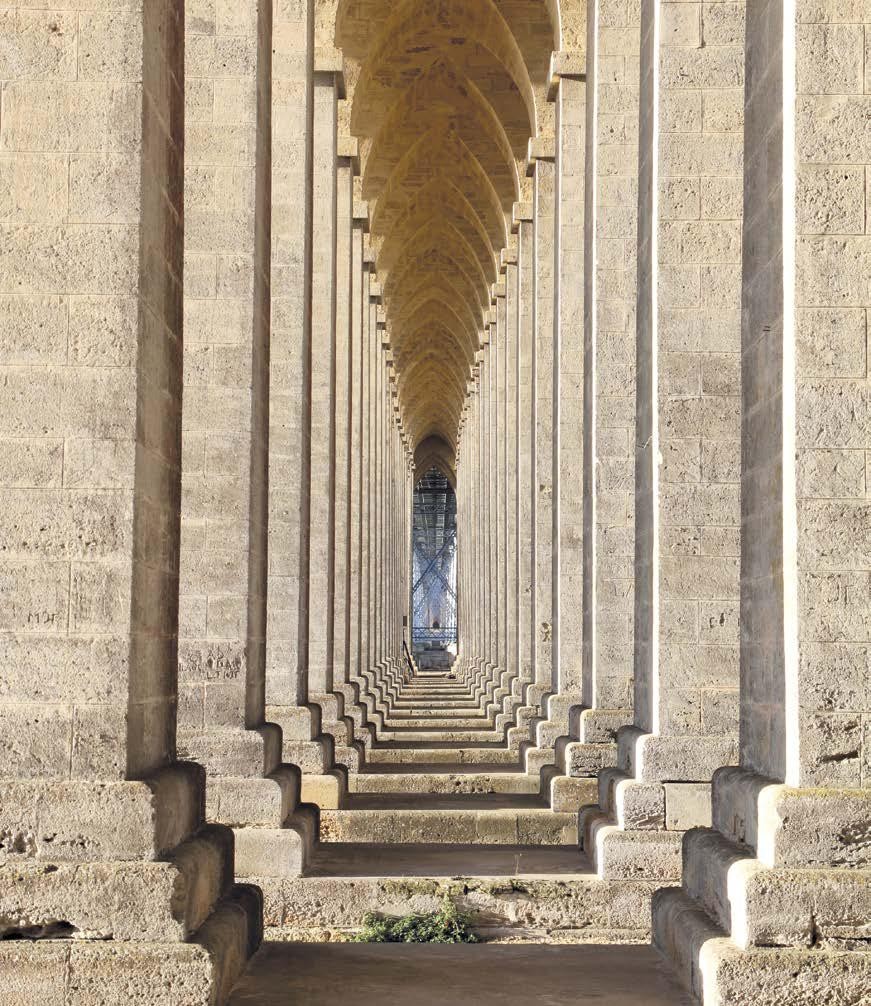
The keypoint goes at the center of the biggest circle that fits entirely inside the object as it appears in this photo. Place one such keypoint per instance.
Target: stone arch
(433, 452)
(443, 97)
(449, 98)
(439, 154)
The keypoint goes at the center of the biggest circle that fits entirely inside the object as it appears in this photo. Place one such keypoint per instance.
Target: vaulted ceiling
(443, 96)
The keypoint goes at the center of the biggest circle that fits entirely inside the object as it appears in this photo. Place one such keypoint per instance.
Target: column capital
(348, 148)
(361, 215)
(540, 148)
(329, 67)
(565, 63)
(520, 213)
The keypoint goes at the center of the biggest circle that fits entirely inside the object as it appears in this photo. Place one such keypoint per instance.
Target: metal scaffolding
(434, 569)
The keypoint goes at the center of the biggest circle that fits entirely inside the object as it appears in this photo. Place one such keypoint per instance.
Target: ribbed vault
(443, 96)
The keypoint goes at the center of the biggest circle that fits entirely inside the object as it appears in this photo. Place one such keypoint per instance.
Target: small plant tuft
(444, 926)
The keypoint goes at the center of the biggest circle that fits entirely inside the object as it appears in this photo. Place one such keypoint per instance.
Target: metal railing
(445, 636)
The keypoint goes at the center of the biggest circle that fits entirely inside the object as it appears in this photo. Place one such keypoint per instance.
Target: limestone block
(687, 805)
(685, 759)
(163, 901)
(818, 828)
(637, 855)
(586, 759)
(569, 794)
(233, 752)
(270, 852)
(322, 789)
(600, 726)
(81, 821)
(248, 801)
(639, 806)
(88, 973)
(491, 827)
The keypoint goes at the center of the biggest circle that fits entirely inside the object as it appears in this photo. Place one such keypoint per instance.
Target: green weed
(444, 926)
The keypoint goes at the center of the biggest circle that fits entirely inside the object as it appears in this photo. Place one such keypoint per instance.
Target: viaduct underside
(594, 280)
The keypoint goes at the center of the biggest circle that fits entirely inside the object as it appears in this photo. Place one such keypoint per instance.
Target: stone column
(365, 481)
(568, 793)
(341, 562)
(290, 392)
(783, 873)
(475, 511)
(369, 423)
(320, 532)
(465, 541)
(527, 498)
(386, 416)
(499, 687)
(324, 788)
(512, 468)
(610, 272)
(398, 536)
(500, 514)
(485, 503)
(687, 447)
(462, 538)
(103, 828)
(223, 566)
(378, 506)
(543, 238)
(351, 689)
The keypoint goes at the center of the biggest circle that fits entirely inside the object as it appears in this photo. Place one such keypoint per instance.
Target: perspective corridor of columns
(435, 443)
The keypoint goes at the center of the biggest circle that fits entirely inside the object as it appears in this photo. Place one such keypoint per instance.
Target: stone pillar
(290, 392)
(568, 373)
(488, 514)
(476, 511)
(527, 498)
(687, 448)
(512, 468)
(320, 513)
(351, 688)
(610, 274)
(223, 566)
(378, 506)
(365, 481)
(568, 793)
(779, 886)
(226, 320)
(324, 788)
(464, 640)
(342, 545)
(543, 238)
(370, 423)
(103, 828)
(500, 514)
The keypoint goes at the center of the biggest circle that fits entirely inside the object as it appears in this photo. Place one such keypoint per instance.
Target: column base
(326, 790)
(202, 971)
(719, 973)
(660, 791)
(125, 890)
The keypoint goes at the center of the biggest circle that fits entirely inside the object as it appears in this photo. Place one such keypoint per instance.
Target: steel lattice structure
(434, 571)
